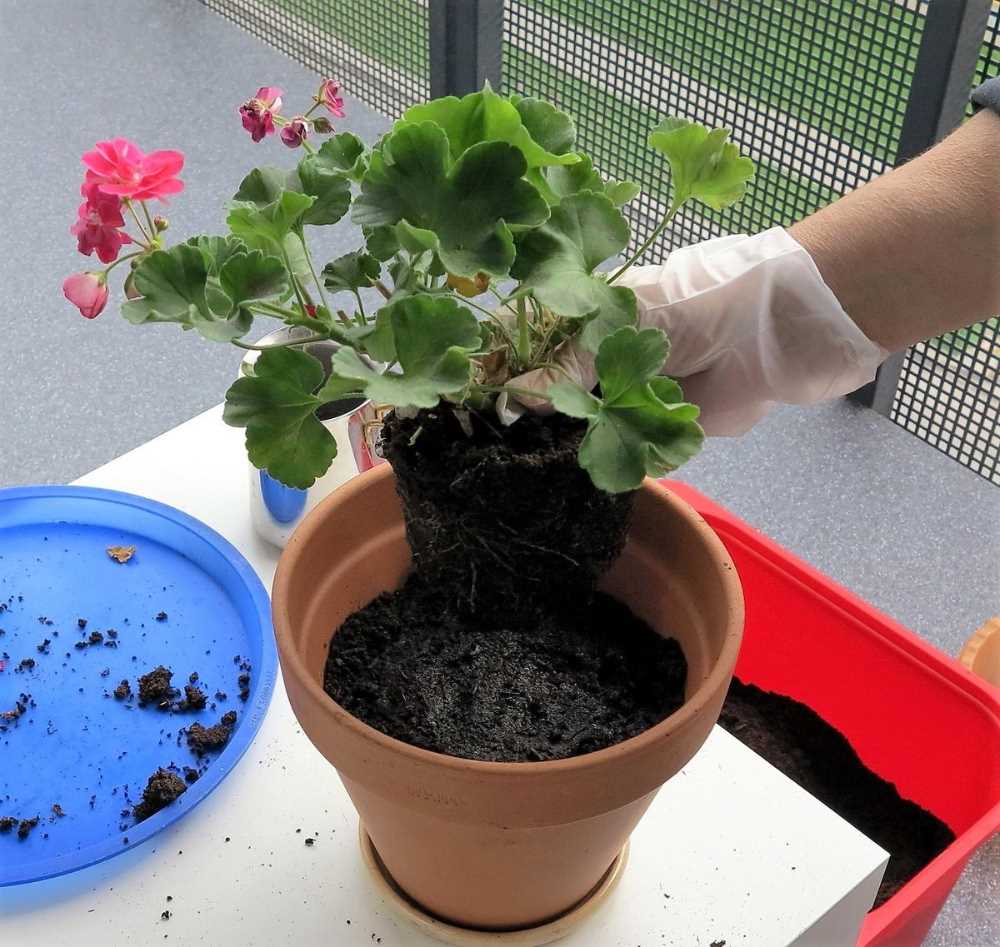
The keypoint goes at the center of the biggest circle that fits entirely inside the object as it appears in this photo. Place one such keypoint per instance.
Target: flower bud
(160, 223)
(295, 132)
(88, 292)
(322, 125)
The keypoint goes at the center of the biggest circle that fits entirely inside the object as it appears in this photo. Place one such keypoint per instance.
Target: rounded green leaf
(703, 164)
(487, 117)
(470, 207)
(277, 407)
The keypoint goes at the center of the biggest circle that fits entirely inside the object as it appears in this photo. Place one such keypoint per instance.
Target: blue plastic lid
(186, 599)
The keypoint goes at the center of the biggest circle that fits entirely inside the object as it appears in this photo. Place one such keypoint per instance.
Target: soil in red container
(498, 647)
(798, 742)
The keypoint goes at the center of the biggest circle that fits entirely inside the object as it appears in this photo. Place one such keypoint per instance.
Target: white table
(780, 868)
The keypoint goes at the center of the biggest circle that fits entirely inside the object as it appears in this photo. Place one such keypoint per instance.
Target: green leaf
(217, 250)
(703, 165)
(405, 272)
(487, 117)
(330, 189)
(550, 128)
(252, 276)
(572, 400)
(382, 242)
(639, 426)
(343, 152)
(277, 407)
(351, 272)
(262, 186)
(558, 182)
(431, 339)
(272, 221)
(176, 286)
(469, 206)
(621, 192)
(414, 239)
(556, 263)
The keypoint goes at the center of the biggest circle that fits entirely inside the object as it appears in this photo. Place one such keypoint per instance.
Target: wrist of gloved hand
(750, 322)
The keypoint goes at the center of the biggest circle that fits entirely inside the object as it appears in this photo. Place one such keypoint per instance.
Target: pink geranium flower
(258, 113)
(98, 220)
(119, 167)
(88, 292)
(329, 95)
(295, 132)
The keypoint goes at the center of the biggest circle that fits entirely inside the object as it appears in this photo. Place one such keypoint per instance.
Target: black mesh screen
(378, 49)
(948, 390)
(814, 92)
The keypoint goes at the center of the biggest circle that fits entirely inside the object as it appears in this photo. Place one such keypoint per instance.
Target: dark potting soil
(503, 516)
(798, 742)
(572, 681)
(162, 789)
(155, 687)
(202, 739)
(497, 647)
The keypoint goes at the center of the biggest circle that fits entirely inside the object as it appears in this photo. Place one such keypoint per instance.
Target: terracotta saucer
(465, 937)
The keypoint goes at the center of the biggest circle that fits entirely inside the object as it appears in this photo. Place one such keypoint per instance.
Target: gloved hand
(750, 323)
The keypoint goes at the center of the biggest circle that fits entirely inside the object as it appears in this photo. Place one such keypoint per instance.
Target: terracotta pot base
(447, 933)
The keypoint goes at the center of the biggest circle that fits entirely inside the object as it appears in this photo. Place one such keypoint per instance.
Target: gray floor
(900, 524)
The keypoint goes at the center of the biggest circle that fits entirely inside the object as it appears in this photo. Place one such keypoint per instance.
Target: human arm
(916, 252)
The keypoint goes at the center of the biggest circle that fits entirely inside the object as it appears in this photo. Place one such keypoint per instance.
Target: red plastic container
(914, 716)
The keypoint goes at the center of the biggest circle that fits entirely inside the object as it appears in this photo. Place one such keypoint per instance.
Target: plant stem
(307, 147)
(495, 318)
(278, 345)
(270, 309)
(381, 287)
(543, 347)
(295, 281)
(312, 270)
(523, 332)
(149, 219)
(122, 259)
(138, 223)
(361, 306)
(671, 213)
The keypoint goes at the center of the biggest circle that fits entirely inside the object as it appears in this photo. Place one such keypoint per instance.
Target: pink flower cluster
(261, 114)
(118, 173)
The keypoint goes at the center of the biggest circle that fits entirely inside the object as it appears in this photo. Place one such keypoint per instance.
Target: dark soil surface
(803, 746)
(203, 739)
(570, 682)
(161, 790)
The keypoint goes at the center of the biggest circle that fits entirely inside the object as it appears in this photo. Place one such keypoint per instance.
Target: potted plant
(500, 723)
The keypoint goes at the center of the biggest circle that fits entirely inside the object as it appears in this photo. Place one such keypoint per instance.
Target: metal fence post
(939, 94)
(465, 45)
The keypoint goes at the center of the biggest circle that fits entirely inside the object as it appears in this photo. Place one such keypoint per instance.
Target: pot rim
(640, 743)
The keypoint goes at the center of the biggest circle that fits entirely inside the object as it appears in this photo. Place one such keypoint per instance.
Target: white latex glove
(750, 323)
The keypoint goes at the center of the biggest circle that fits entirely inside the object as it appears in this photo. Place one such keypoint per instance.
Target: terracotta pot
(500, 846)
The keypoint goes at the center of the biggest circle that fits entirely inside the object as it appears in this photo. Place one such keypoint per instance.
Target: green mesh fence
(814, 92)
(378, 49)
